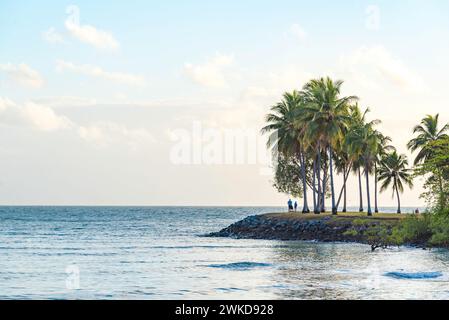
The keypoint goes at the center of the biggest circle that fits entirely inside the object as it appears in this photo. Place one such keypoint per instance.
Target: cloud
(30, 114)
(65, 101)
(298, 32)
(95, 71)
(375, 65)
(211, 73)
(106, 133)
(44, 118)
(88, 34)
(23, 75)
(53, 36)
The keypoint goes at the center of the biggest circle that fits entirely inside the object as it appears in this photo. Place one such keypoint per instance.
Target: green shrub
(350, 233)
(414, 229)
(440, 230)
(359, 222)
(378, 237)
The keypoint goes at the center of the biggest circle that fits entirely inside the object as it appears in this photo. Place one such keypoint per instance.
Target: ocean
(160, 253)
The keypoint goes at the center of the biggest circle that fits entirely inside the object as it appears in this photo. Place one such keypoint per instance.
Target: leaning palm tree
(285, 136)
(394, 171)
(428, 132)
(326, 115)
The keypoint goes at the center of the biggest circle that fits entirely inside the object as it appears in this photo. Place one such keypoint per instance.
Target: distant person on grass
(296, 206)
(290, 205)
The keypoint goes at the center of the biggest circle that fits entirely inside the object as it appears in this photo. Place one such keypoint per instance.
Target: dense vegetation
(318, 135)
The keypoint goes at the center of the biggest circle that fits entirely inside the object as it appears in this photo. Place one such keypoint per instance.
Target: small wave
(240, 265)
(230, 289)
(415, 275)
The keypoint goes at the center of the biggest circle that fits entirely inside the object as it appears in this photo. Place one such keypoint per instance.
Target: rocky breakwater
(296, 226)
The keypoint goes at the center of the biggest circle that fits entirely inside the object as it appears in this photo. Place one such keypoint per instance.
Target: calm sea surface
(157, 253)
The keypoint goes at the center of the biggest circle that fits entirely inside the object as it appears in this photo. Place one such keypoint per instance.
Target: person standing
(296, 206)
(290, 205)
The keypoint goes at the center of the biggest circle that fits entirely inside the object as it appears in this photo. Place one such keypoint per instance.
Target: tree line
(317, 135)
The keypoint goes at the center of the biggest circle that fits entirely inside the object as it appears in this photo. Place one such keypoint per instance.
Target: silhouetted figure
(290, 205)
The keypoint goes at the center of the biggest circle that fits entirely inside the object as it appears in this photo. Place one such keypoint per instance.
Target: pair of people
(292, 206)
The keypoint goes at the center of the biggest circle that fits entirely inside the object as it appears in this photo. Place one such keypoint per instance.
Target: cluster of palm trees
(329, 134)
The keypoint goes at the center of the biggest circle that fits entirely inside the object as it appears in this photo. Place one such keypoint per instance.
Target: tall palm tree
(428, 132)
(326, 115)
(286, 137)
(363, 142)
(384, 148)
(354, 143)
(393, 171)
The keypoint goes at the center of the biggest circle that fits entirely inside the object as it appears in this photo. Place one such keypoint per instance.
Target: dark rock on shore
(290, 228)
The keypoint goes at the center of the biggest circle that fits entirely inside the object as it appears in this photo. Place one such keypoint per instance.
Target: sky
(162, 102)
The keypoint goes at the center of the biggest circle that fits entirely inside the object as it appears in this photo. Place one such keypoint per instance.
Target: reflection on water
(156, 253)
(352, 271)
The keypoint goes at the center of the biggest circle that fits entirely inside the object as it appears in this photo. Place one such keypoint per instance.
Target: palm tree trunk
(305, 208)
(323, 191)
(397, 194)
(334, 208)
(376, 208)
(346, 172)
(314, 187)
(360, 191)
(319, 182)
(344, 198)
(370, 213)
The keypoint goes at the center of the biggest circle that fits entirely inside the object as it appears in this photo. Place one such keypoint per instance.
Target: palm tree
(358, 120)
(285, 135)
(354, 142)
(326, 115)
(363, 143)
(428, 132)
(394, 171)
(384, 148)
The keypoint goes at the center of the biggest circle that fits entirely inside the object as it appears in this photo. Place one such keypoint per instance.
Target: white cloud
(375, 65)
(211, 73)
(88, 34)
(23, 75)
(65, 101)
(298, 32)
(53, 36)
(30, 114)
(95, 71)
(106, 133)
(44, 118)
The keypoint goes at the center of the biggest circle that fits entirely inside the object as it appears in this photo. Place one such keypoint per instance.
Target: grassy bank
(379, 231)
(346, 215)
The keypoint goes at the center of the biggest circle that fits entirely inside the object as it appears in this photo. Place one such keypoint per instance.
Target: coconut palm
(394, 172)
(428, 132)
(384, 148)
(285, 135)
(358, 122)
(363, 142)
(326, 115)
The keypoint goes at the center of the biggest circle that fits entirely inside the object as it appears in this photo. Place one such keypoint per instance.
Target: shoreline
(295, 226)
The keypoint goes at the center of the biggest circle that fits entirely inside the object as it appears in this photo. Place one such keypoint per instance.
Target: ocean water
(158, 253)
